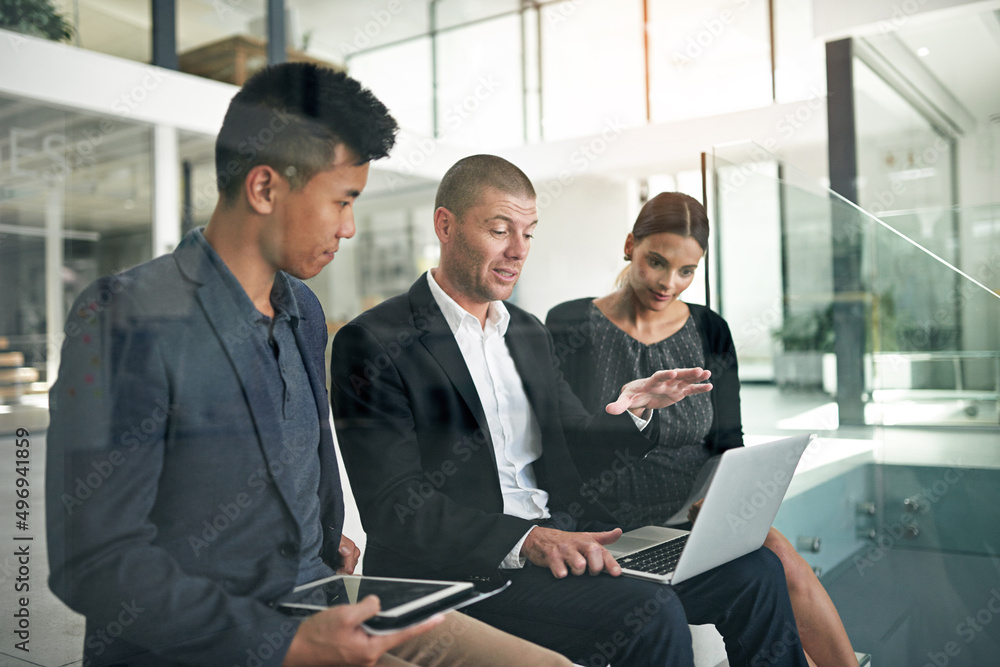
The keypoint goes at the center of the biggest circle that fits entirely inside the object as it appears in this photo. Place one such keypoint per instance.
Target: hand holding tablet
(335, 636)
(404, 602)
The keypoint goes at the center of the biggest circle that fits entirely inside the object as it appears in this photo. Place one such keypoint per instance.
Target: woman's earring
(628, 258)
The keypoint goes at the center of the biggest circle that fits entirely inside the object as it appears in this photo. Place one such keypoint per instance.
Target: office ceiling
(108, 186)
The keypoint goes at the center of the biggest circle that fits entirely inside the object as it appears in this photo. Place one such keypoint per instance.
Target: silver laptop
(743, 496)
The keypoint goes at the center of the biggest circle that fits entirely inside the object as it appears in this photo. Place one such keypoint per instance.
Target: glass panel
(937, 360)
(120, 28)
(708, 58)
(593, 67)
(456, 12)
(335, 31)
(747, 241)
(874, 509)
(400, 76)
(224, 41)
(800, 58)
(903, 161)
(198, 186)
(74, 205)
(480, 91)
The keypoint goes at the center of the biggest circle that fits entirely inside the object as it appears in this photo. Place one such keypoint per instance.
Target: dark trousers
(597, 620)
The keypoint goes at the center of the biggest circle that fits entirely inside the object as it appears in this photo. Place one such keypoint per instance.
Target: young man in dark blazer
(191, 475)
(455, 426)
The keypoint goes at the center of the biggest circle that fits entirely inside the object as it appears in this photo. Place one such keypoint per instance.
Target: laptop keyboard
(659, 559)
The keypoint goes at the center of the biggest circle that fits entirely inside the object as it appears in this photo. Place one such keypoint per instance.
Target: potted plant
(804, 338)
(38, 18)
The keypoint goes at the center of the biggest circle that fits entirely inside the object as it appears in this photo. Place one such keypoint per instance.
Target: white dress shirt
(514, 430)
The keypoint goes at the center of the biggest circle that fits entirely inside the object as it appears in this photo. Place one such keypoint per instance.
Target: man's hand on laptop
(565, 552)
(335, 637)
(659, 390)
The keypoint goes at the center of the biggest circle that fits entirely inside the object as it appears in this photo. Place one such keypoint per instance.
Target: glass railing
(894, 321)
(939, 331)
(904, 308)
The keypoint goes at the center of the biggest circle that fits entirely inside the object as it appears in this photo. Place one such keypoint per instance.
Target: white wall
(577, 249)
(979, 165)
(839, 18)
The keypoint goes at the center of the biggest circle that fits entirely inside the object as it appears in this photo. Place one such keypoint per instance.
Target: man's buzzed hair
(462, 185)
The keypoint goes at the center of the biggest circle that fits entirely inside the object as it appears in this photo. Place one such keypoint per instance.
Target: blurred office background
(848, 152)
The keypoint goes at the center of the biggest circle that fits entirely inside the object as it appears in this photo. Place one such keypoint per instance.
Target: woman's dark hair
(672, 212)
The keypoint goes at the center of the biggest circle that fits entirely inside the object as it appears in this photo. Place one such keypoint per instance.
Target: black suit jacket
(418, 450)
(168, 510)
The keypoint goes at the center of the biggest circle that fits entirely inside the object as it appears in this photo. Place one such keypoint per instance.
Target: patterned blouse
(653, 490)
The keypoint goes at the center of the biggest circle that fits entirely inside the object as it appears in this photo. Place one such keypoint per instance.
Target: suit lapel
(243, 349)
(439, 341)
(523, 343)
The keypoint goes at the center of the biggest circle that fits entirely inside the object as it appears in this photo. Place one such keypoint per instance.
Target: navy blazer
(168, 513)
(417, 447)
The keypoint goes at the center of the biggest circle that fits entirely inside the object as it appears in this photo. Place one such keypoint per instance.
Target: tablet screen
(397, 596)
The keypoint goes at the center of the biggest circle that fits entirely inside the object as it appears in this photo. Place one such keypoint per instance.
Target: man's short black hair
(292, 117)
(462, 185)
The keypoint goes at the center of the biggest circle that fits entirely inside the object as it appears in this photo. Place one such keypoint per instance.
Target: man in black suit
(191, 479)
(455, 424)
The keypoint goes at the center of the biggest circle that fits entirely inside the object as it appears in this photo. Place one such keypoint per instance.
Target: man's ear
(444, 223)
(260, 187)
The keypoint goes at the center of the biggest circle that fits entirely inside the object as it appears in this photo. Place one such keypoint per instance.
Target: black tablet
(405, 602)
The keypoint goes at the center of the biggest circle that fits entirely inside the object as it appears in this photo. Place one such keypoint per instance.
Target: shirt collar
(282, 297)
(455, 315)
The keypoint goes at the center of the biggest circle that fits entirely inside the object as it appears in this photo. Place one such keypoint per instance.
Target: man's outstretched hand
(660, 389)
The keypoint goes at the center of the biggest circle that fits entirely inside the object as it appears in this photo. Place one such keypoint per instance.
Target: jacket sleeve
(402, 462)
(599, 443)
(110, 417)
